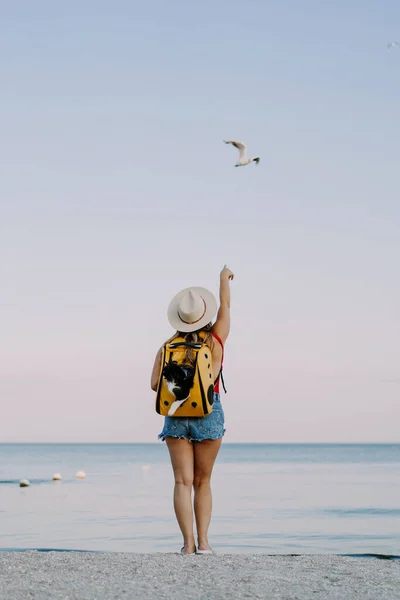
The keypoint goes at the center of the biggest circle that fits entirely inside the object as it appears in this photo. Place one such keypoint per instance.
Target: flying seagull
(243, 160)
(393, 45)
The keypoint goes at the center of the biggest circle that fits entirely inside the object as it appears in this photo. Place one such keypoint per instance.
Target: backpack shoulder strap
(220, 341)
(222, 360)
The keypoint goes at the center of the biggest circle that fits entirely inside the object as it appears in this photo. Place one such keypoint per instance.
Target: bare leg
(181, 453)
(205, 453)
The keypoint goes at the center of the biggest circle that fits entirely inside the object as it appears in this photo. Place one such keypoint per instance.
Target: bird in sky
(393, 45)
(243, 160)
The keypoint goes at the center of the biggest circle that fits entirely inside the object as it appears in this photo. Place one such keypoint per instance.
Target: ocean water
(269, 498)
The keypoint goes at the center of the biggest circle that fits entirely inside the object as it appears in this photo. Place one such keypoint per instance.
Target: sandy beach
(110, 576)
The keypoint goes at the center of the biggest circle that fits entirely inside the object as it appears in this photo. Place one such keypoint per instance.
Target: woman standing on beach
(194, 442)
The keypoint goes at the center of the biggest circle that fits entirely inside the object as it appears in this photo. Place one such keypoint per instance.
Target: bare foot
(203, 546)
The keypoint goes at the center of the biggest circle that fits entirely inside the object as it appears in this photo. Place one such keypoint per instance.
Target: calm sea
(270, 498)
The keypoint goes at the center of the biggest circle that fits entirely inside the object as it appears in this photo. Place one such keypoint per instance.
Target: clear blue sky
(116, 191)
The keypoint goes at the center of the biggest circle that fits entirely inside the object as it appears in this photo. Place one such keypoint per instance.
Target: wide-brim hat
(192, 309)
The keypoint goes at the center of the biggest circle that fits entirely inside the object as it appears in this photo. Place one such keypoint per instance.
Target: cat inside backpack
(179, 380)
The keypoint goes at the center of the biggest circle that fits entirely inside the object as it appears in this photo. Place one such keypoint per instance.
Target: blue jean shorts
(196, 429)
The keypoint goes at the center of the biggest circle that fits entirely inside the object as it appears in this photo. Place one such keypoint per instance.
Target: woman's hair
(194, 337)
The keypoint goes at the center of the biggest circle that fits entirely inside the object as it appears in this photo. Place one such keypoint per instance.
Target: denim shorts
(196, 429)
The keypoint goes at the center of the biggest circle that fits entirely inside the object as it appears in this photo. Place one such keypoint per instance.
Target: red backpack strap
(222, 360)
(220, 341)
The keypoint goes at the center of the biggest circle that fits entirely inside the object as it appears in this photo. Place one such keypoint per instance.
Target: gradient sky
(116, 192)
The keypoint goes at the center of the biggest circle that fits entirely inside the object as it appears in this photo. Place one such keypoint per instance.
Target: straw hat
(192, 309)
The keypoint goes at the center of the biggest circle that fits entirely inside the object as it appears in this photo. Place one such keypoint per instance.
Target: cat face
(179, 379)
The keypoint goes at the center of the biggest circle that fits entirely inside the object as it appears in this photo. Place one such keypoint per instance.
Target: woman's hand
(226, 273)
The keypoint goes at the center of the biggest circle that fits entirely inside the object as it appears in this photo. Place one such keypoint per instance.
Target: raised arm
(222, 324)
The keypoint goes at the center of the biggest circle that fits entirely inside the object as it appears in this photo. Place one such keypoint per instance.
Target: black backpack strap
(220, 375)
(222, 381)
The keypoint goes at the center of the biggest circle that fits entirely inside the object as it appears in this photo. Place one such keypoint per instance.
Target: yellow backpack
(184, 389)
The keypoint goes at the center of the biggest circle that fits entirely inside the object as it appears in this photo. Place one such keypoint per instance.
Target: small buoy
(56, 477)
(24, 483)
(81, 474)
(145, 467)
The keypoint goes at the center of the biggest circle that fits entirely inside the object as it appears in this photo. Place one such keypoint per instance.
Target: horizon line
(225, 443)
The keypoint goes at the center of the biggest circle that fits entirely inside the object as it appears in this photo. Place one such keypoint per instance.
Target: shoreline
(369, 555)
(76, 575)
